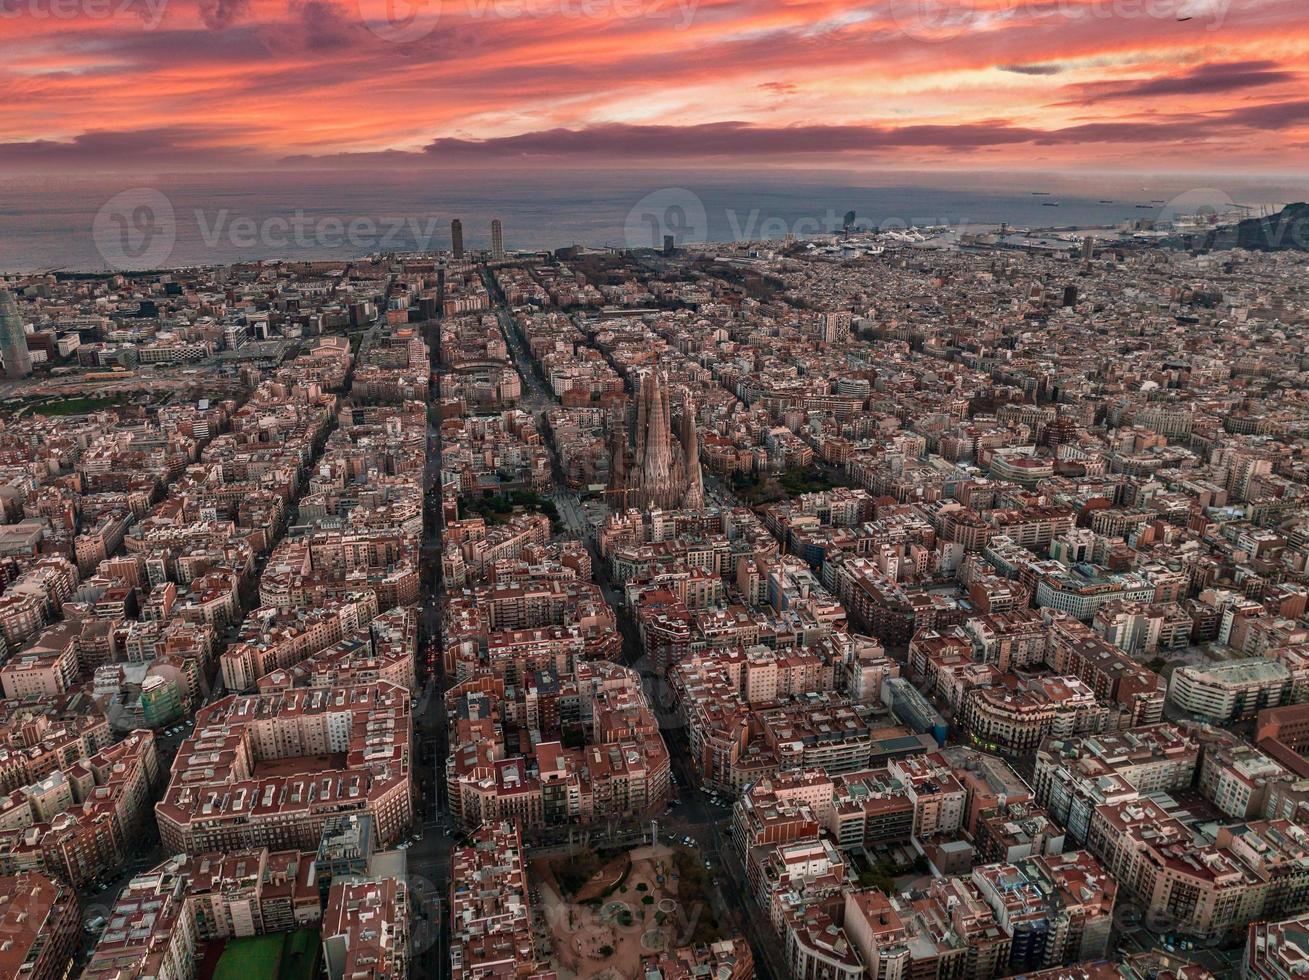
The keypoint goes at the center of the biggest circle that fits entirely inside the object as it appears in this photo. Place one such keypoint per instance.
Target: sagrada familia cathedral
(657, 469)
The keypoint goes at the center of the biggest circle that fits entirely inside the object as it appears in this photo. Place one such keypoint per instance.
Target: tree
(576, 871)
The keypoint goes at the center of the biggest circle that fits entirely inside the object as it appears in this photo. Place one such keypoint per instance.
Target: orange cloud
(193, 83)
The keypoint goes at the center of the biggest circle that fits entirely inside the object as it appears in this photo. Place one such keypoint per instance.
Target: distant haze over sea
(47, 223)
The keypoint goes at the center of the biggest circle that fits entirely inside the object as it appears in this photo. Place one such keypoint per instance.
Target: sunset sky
(112, 85)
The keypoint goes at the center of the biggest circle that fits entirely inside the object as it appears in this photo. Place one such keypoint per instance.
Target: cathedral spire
(617, 453)
(693, 499)
(663, 474)
(642, 414)
(658, 449)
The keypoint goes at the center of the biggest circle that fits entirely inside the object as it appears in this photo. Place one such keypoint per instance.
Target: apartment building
(1236, 689)
(490, 907)
(40, 925)
(365, 930)
(270, 769)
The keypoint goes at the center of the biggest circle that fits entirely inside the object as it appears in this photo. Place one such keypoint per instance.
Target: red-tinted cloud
(1202, 80)
(196, 83)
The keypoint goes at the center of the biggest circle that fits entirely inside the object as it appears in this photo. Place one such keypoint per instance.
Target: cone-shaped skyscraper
(13, 341)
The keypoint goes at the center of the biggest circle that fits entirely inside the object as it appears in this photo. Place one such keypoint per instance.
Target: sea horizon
(71, 223)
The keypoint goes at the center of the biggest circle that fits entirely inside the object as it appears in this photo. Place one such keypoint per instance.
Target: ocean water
(159, 221)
